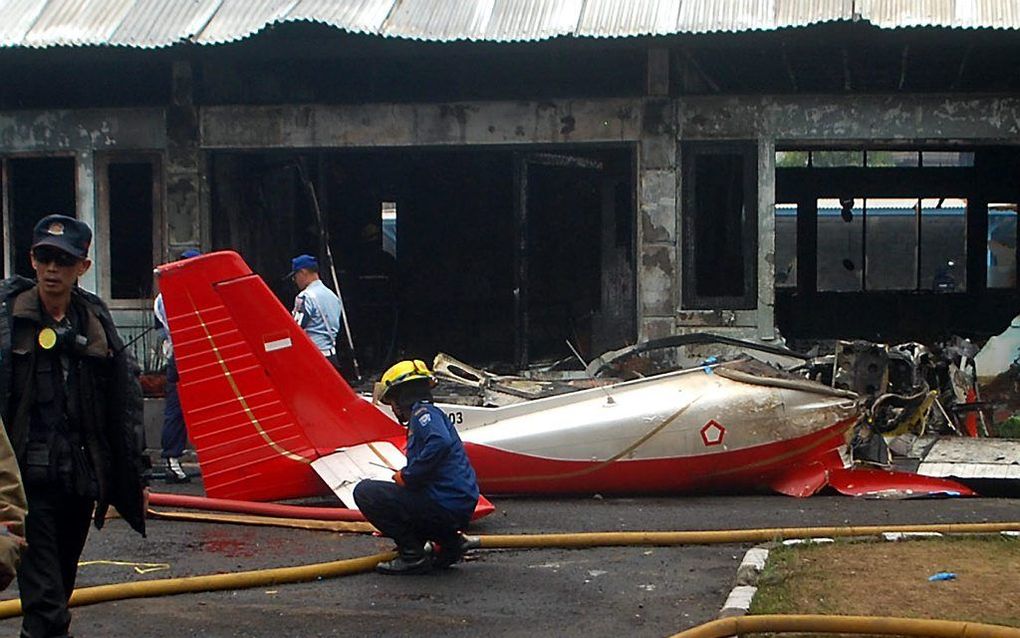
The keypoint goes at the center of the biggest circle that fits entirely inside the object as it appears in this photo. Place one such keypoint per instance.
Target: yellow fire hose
(333, 569)
(621, 539)
(870, 625)
(212, 582)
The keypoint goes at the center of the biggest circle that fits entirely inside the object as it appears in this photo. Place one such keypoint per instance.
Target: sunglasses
(46, 255)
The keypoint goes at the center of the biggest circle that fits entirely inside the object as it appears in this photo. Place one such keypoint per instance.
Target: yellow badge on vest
(47, 338)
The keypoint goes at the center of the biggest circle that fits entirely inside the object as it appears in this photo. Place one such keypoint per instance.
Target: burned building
(496, 178)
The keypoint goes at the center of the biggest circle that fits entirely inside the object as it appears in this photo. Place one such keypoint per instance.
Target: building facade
(496, 179)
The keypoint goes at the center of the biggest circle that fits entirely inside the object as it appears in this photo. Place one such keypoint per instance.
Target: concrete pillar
(85, 180)
(183, 166)
(657, 271)
(766, 318)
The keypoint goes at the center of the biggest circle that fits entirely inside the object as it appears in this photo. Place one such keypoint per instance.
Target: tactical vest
(46, 388)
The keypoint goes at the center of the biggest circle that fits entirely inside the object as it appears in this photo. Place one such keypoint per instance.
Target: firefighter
(432, 498)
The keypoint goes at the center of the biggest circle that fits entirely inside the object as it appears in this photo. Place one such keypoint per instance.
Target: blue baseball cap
(63, 232)
(302, 261)
(190, 252)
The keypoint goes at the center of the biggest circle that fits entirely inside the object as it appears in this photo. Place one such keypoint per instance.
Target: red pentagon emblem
(713, 432)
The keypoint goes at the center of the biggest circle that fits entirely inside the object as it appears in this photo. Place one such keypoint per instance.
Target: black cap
(63, 232)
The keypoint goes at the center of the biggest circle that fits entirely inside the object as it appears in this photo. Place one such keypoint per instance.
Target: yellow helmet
(402, 372)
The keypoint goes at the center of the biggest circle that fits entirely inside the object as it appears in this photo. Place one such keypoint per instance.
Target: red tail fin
(261, 402)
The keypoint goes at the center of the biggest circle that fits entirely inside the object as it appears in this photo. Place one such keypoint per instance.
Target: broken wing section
(837, 472)
(261, 403)
(343, 469)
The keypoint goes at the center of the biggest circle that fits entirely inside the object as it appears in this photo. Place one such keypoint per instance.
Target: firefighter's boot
(409, 560)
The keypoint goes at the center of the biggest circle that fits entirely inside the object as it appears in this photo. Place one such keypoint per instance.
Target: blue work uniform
(174, 435)
(317, 310)
(437, 462)
(440, 489)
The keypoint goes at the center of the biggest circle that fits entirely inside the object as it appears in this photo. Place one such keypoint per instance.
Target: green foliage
(1010, 428)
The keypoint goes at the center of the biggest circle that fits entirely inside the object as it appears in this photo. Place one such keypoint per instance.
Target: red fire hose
(248, 507)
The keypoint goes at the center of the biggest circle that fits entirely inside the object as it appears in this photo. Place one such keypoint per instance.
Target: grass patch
(891, 579)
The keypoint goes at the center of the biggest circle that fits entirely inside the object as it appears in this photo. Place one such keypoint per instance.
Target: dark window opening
(130, 188)
(38, 186)
(720, 225)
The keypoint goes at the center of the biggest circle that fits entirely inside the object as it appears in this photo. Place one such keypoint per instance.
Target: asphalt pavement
(641, 591)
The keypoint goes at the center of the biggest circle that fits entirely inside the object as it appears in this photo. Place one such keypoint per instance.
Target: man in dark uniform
(174, 436)
(432, 498)
(71, 403)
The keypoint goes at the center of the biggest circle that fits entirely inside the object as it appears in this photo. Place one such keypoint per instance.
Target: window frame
(748, 151)
(102, 164)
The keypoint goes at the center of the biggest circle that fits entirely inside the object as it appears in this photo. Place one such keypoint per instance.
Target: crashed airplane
(271, 419)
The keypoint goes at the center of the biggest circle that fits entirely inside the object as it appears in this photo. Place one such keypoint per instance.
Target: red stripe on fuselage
(501, 472)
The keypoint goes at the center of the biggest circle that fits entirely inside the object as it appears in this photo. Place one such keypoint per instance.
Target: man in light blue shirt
(317, 309)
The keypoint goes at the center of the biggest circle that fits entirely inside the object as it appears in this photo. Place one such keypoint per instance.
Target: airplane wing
(265, 409)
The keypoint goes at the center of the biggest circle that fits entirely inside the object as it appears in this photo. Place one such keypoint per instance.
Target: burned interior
(896, 244)
(509, 254)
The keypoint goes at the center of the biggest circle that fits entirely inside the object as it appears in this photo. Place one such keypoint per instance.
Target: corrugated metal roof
(239, 19)
(614, 19)
(891, 14)
(19, 16)
(438, 19)
(759, 15)
(77, 22)
(356, 16)
(158, 23)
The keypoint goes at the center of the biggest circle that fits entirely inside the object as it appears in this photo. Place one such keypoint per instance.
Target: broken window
(389, 228)
(873, 158)
(947, 158)
(34, 187)
(129, 198)
(840, 255)
(891, 159)
(890, 238)
(792, 159)
(720, 224)
(1002, 234)
(892, 244)
(786, 245)
(910, 244)
(943, 244)
(829, 159)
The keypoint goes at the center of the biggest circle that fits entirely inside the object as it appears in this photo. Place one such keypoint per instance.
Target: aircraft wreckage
(271, 419)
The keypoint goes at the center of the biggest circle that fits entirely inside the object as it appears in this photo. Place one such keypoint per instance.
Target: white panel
(344, 469)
